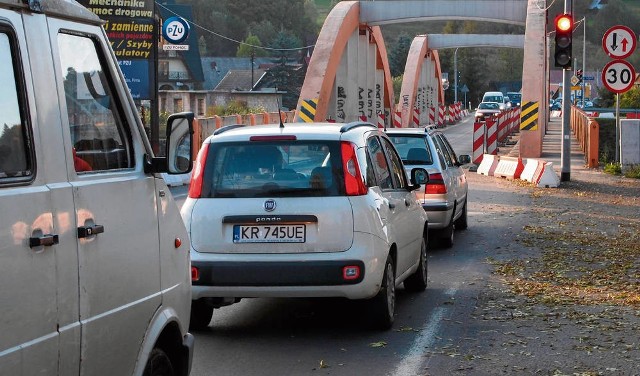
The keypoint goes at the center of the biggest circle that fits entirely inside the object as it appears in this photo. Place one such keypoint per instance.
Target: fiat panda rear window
(273, 169)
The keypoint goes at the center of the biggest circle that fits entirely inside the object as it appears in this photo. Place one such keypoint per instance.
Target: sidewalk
(552, 149)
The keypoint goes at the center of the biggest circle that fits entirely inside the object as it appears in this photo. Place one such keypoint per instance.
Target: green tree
(398, 55)
(249, 49)
(630, 99)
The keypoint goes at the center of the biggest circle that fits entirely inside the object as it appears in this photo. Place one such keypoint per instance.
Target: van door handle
(86, 231)
(44, 240)
(392, 205)
(407, 202)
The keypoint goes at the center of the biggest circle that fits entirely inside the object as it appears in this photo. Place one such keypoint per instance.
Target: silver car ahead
(444, 197)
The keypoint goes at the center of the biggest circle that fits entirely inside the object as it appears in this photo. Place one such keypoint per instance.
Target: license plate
(269, 233)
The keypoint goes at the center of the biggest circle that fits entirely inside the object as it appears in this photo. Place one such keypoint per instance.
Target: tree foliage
(225, 22)
(247, 49)
(398, 55)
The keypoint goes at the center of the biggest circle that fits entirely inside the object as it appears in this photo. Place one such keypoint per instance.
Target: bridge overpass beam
(534, 83)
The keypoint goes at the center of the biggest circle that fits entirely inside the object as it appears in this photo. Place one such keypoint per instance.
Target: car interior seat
(418, 155)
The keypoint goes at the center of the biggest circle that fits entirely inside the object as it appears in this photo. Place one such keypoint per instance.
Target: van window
(98, 135)
(15, 154)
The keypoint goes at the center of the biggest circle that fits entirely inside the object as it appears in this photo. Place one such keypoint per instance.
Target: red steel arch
(327, 72)
(421, 61)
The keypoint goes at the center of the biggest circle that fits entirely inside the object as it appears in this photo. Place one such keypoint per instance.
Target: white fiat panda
(94, 261)
(304, 210)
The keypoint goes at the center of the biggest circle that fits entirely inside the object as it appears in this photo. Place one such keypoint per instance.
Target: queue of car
(329, 210)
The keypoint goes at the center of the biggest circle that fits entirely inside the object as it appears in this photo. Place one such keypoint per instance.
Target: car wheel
(446, 234)
(158, 364)
(383, 305)
(417, 281)
(461, 223)
(201, 314)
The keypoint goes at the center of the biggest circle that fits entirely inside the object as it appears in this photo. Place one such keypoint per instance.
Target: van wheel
(417, 281)
(201, 314)
(461, 223)
(158, 364)
(383, 305)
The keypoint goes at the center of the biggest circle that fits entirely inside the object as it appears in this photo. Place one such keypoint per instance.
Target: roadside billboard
(130, 27)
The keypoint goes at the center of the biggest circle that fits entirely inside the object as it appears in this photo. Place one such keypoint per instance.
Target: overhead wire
(234, 40)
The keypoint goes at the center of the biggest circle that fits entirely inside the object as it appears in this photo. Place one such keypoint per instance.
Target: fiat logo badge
(270, 205)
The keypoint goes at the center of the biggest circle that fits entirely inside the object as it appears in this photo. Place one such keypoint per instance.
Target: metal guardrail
(587, 131)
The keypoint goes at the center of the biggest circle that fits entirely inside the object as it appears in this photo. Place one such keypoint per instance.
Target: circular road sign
(175, 30)
(618, 76)
(619, 42)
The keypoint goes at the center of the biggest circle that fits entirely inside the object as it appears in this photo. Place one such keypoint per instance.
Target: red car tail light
(195, 188)
(353, 183)
(436, 184)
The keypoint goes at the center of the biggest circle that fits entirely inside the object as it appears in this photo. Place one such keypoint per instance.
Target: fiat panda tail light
(195, 188)
(353, 183)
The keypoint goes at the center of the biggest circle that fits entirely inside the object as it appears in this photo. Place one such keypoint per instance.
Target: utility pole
(455, 78)
(584, 57)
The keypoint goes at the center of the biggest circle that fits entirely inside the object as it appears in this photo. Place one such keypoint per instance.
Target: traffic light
(564, 29)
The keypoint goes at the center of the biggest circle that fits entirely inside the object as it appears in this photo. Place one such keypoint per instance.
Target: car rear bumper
(276, 273)
(439, 214)
(292, 275)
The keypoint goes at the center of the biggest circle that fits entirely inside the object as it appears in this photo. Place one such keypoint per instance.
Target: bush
(633, 172)
(613, 168)
(234, 108)
(607, 144)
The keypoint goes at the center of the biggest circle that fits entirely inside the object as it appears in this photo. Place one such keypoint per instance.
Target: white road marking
(412, 363)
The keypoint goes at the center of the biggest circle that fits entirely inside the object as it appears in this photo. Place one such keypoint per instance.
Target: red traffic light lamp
(564, 31)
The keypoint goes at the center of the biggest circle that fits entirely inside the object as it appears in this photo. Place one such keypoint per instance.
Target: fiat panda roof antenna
(279, 113)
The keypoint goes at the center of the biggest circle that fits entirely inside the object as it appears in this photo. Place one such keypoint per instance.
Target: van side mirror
(179, 143)
(177, 157)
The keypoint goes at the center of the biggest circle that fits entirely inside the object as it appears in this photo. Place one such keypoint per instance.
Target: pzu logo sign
(175, 30)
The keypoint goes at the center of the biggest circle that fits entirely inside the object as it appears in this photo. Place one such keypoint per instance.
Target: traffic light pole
(565, 153)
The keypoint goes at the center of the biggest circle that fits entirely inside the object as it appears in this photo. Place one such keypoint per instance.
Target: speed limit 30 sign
(618, 76)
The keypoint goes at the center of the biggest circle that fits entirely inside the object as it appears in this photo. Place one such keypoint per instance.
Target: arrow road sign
(618, 76)
(619, 42)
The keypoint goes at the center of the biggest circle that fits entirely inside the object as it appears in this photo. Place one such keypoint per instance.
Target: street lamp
(455, 79)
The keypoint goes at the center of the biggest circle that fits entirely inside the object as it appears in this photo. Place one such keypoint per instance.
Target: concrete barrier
(548, 177)
(530, 169)
(509, 167)
(488, 165)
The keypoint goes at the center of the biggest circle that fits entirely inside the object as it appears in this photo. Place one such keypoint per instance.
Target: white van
(497, 97)
(94, 256)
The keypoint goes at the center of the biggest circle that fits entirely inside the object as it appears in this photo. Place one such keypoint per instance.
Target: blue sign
(175, 30)
(136, 75)
(589, 78)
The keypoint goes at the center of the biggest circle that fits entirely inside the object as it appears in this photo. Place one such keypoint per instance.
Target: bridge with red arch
(348, 77)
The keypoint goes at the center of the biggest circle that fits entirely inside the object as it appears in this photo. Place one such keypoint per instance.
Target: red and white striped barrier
(432, 115)
(492, 136)
(397, 119)
(478, 142)
(380, 120)
(363, 118)
(488, 165)
(416, 117)
(509, 167)
(441, 116)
